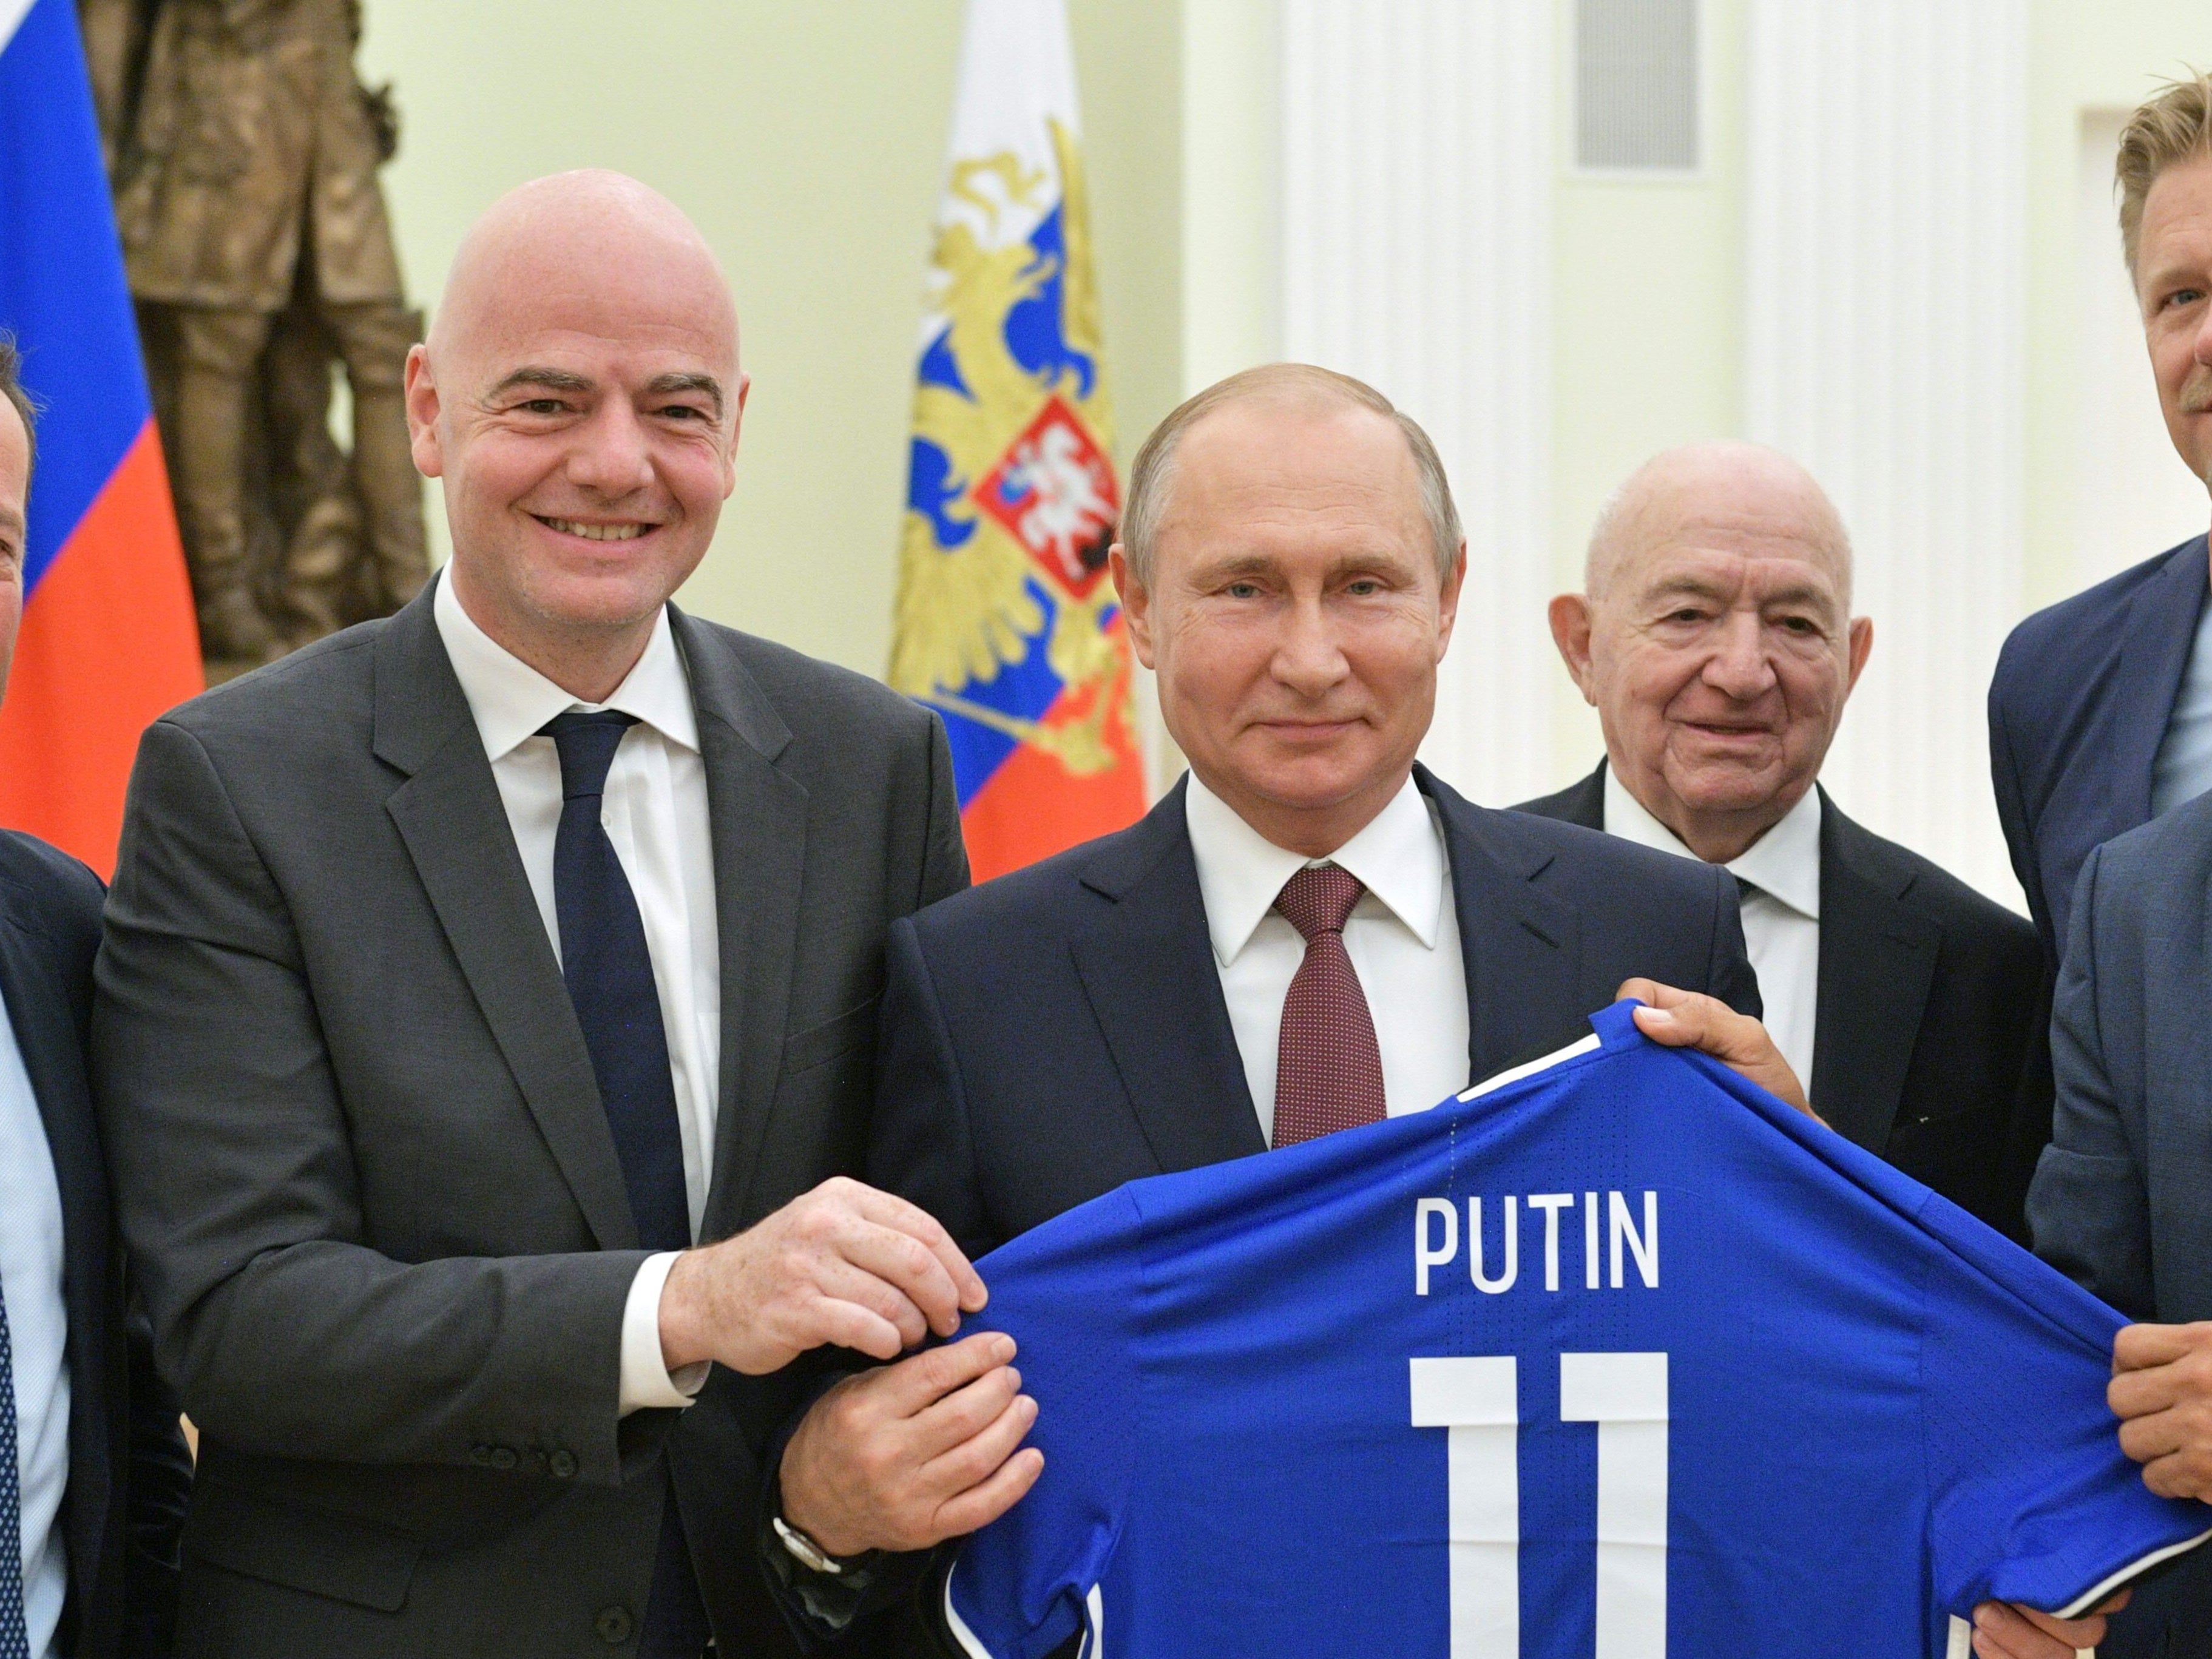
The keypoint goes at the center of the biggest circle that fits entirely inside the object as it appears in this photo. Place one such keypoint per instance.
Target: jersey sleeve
(1070, 1294)
(2032, 1499)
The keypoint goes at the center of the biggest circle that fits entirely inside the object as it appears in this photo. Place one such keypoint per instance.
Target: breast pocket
(851, 1032)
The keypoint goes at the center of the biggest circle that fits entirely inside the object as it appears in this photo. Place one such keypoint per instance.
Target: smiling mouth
(596, 532)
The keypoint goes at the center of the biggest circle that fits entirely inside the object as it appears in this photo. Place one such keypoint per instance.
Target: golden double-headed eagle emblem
(1013, 494)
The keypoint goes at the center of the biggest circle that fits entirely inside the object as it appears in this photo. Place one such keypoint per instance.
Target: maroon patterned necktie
(1328, 1067)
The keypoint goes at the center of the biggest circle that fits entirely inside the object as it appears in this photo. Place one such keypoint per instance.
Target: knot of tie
(587, 744)
(1319, 899)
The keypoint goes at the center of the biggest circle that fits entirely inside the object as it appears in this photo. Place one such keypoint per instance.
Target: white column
(1416, 255)
(1885, 339)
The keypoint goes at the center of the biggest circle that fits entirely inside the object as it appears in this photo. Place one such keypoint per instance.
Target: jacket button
(564, 1465)
(480, 1454)
(613, 1626)
(503, 1457)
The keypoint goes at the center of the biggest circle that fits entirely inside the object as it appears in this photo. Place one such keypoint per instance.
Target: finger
(963, 1415)
(2069, 1633)
(2184, 1473)
(976, 1459)
(1684, 1019)
(888, 1210)
(840, 1282)
(979, 1506)
(912, 1386)
(2000, 1632)
(2139, 1394)
(2139, 1348)
(827, 1321)
(905, 1264)
(2160, 1434)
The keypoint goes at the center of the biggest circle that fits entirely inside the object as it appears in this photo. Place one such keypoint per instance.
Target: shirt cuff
(646, 1380)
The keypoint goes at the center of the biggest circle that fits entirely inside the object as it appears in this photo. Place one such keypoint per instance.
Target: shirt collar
(1784, 862)
(511, 700)
(1399, 857)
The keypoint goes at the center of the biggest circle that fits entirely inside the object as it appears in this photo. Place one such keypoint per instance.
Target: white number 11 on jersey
(1477, 1403)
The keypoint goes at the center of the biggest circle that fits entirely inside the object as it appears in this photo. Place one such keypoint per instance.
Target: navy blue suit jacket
(1052, 1034)
(2079, 703)
(128, 1472)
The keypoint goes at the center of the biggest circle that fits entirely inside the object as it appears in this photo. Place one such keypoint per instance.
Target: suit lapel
(1877, 963)
(757, 816)
(1522, 949)
(1149, 971)
(2161, 627)
(450, 815)
(47, 1037)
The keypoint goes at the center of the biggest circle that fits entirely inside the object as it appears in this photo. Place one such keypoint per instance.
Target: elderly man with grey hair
(1715, 637)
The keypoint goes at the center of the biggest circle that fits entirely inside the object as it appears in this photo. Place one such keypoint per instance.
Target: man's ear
(1571, 632)
(1448, 602)
(1862, 643)
(422, 406)
(1136, 602)
(736, 421)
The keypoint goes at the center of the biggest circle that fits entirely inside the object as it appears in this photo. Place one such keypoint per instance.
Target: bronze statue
(244, 152)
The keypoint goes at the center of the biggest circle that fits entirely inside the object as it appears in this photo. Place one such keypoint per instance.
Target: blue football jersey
(1621, 1359)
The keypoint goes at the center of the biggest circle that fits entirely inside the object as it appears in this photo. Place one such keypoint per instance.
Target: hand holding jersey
(842, 1266)
(1291, 568)
(2161, 1392)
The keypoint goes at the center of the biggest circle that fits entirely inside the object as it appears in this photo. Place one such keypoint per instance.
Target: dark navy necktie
(14, 1635)
(609, 975)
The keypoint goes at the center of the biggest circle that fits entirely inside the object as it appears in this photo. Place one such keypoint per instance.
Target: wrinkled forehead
(1265, 467)
(1752, 565)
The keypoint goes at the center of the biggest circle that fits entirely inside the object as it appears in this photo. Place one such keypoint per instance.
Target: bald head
(575, 236)
(1744, 494)
(1714, 638)
(579, 396)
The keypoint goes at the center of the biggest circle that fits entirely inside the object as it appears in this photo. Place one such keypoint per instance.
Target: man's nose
(612, 457)
(1738, 666)
(1308, 657)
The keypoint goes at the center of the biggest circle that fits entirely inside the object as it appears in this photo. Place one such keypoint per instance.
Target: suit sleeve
(157, 1487)
(2033, 1499)
(922, 1148)
(1730, 977)
(2089, 1207)
(2012, 811)
(285, 1332)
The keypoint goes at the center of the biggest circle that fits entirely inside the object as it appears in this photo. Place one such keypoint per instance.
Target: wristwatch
(808, 1553)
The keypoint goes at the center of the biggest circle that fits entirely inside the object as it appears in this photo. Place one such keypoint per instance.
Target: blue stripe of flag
(63, 293)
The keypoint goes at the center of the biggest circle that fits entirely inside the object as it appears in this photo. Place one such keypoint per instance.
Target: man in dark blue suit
(93, 1465)
(2100, 712)
(1310, 933)
(2101, 731)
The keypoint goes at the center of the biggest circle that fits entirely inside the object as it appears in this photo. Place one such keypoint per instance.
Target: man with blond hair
(2100, 724)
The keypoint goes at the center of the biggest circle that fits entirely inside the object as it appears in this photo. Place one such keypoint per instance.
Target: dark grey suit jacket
(360, 1159)
(1930, 1011)
(2122, 1198)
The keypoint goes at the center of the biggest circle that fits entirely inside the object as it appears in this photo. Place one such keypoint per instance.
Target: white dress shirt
(1781, 920)
(1402, 938)
(2183, 767)
(655, 813)
(31, 1259)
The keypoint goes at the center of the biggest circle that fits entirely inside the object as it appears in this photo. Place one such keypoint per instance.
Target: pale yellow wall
(807, 141)
(1647, 342)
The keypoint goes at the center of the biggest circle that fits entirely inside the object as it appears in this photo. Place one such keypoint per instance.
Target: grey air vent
(1635, 86)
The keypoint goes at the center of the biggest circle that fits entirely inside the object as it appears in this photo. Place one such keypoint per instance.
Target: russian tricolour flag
(108, 639)
(1007, 623)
